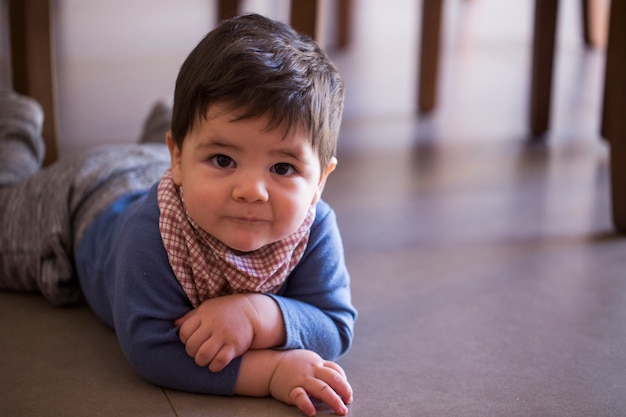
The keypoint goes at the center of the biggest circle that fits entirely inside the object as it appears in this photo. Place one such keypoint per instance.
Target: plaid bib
(206, 268)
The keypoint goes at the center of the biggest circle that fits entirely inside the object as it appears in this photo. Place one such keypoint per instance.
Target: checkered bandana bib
(206, 268)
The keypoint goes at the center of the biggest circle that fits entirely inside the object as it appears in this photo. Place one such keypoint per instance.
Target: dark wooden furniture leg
(542, 63)
(344, 23)
(227, 9)
(32, 60)
(303, 14)
(429, 55)
(613, 116)
(586, 21)
(304, 17)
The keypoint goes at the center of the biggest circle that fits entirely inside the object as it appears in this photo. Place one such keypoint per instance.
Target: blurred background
(115, 58)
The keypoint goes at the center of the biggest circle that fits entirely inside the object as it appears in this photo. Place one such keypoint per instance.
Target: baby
(217, 263)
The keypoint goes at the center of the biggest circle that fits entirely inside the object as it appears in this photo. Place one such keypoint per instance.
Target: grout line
(170, 402)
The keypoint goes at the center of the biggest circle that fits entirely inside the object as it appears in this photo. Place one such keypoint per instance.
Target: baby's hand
(302, 373)
(218, 331)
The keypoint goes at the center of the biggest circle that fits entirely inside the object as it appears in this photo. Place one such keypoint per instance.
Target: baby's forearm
(255, 372)
(268, 324)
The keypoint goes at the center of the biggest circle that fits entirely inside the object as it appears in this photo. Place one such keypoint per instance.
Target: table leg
(542, 64)
(429, 55)
(613, 118)
(33, 65)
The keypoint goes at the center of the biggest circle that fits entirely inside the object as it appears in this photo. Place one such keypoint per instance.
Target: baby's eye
(222, 161)
(283, 169)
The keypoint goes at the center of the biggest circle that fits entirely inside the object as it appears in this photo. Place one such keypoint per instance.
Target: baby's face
(244, 185)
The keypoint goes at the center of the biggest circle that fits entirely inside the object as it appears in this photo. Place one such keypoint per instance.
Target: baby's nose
(251, 188)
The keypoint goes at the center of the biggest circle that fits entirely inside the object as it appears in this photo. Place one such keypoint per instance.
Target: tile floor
(486, 273)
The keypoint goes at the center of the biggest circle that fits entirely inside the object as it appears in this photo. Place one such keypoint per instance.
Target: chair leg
(429, 55)
(585, 15)
(613, 121)
(542, 64)
(227, 9)
(304, 16)
(32, 61)
(344, 22)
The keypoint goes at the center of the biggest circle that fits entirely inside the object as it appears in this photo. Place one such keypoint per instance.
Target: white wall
(116, 57)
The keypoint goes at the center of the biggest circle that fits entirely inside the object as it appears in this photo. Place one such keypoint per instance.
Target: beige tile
(64, 362)
(196, 405)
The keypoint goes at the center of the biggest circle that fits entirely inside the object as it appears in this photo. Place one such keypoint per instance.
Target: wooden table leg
(613, 118)
(344, 23)
(304, 16)
(227, 9)
(586, 15)
(429, 55)
(32, 60)
(542, 64)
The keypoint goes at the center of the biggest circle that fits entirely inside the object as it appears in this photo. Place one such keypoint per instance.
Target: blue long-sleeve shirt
(127, 280)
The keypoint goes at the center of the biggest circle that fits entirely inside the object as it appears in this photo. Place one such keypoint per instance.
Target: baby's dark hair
(259, 67)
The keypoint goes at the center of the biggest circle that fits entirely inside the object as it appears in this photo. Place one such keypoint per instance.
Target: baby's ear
(323, 177)
(175, 155)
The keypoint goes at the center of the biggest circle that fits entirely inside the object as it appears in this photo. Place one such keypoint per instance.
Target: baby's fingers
(333, 365)
(299, 397)
(323, 391)
(222, 358)
(181, 320)
(187, 328)
(339, 382)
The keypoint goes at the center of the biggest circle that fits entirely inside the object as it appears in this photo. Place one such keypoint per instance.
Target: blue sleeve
(144, 298)
(128, 281)
(316, 301)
